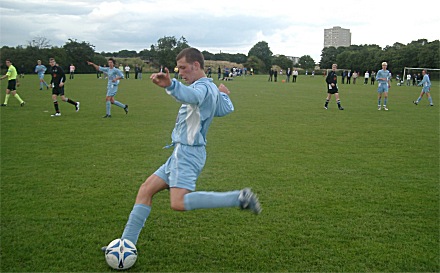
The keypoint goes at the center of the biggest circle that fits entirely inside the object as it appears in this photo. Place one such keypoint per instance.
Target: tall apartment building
(337, 37)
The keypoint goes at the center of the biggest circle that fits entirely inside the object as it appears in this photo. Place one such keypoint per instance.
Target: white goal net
(415, 73)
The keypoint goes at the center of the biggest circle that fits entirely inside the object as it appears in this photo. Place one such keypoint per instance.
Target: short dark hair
(8, 60)
(191, 55)
(111, 59)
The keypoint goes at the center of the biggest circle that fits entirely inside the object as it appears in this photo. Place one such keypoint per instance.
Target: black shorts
(59, 91)
(12, 85)
(333, 91)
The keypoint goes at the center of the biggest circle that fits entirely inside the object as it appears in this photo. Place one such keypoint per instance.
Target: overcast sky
(290, 27)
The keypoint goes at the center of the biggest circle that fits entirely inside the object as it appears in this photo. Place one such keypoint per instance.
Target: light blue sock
(385, 101)
(378, 102)
(108, 106)
(41, 85)
(419, 99)
(117, 103)
(430, 100)
(136, 221)
(211, 200)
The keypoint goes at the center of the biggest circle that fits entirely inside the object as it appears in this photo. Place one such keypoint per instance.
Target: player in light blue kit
(426, 83)
(40, 69)
(383, 79)
(114, 75)
(201, 101)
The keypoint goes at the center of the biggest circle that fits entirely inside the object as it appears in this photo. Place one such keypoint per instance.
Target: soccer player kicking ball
(201, 101)
(383, 78)
(426, 83)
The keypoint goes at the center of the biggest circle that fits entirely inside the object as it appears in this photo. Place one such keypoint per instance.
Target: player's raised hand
(161, 79)
(224, 89)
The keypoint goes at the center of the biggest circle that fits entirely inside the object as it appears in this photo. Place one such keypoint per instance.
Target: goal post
(408, 70)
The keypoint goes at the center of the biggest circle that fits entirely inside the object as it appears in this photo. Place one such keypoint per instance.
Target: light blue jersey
(383, 84)
(40, 70)
(201, 102)
(426, 83)
(112, 74)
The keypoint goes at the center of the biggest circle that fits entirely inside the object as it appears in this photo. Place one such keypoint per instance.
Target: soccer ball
(121, 254)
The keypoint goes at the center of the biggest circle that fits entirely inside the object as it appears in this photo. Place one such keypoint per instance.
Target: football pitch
(354, 190)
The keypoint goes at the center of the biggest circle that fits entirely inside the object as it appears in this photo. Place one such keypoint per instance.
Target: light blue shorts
(112, 90)
(41, 76)
(383, 87)
(183, 167)
(425, 90)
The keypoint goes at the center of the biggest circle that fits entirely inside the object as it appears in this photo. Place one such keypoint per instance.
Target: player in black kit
(57, 84)
(332, 87)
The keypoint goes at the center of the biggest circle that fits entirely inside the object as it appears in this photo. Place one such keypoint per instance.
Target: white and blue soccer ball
(121, 254)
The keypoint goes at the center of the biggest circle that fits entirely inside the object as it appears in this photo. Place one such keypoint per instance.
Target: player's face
(8, 63)
(52, 63)
(384, 67)
(186, 70)
(110, 64)
(334, 67)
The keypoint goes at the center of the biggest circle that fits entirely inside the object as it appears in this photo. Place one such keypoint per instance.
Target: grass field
(354, 190)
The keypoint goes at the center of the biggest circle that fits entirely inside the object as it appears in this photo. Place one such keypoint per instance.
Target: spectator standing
(140, 72)
(366, 77)
(72, 71)
(295, 75)
(373, 77)
(127, 71)
(136, 71)
(355, 75)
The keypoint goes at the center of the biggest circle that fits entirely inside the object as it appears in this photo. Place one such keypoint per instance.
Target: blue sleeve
(103, 69)
(187, 94)
(224, 105)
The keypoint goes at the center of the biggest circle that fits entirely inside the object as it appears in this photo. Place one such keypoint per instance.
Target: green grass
(353, 190)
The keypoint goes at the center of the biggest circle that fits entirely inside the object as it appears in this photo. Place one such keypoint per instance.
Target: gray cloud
(289, 27)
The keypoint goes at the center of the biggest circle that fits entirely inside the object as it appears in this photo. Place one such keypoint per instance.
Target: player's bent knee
(177, 206)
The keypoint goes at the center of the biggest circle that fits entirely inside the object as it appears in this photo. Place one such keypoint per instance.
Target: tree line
(420, 53)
